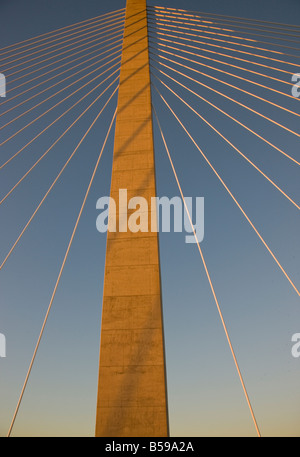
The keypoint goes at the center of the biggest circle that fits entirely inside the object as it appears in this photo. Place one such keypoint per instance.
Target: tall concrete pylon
(132, 397)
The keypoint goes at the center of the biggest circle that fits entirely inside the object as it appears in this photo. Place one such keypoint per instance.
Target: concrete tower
(132, 399)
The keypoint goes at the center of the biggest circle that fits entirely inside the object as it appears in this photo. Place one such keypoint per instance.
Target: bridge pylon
(132, 398)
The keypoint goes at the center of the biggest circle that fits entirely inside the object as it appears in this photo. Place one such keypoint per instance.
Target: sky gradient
(260, 307)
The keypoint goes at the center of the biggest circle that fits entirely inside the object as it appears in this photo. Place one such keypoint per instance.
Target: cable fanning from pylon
(248, 40)
(225, 113)
(237, 44)
(84, 62)
(55, 180)
(64, 47)
(230, 143)
(57, 104)
(48, 33)
(57, 140)
(158, 41)
(226, 96)
(217, 33)
(213, 25)
(74, 41)
(228, 73)
(115, 20)
(230, 193)
(65, 52)
(203, 14)
(116, 53)
(111, 48)
(210, 281)
(241, 52)
(234, 76)
(60, 274)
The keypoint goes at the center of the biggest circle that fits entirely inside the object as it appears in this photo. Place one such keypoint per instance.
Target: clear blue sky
(260, 307)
